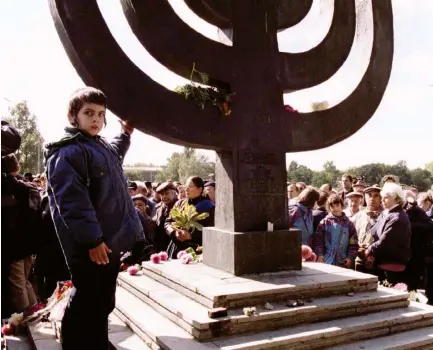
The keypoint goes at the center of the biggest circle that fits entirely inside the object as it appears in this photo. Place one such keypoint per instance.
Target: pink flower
(180, 254)
(400, 287)
(155, 258)
(132, 270)
(163, 256)
(306, 252)
(312, 258)
(186, 258)
(8, 329)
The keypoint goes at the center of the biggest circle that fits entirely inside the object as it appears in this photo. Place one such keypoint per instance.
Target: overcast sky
(34, 67)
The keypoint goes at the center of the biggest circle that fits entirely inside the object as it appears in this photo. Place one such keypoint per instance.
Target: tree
(421, 178)
(30, 154)
(330, 174)
(180, 166)
(299, 173)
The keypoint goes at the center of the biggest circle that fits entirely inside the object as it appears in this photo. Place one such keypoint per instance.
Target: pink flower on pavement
(402, 287)
(306, 252)
(163, 256)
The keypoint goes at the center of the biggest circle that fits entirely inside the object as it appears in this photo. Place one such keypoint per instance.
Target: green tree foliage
(30, 154)
(372, 174)
(134, 175)
(180, 166)
(299, 173)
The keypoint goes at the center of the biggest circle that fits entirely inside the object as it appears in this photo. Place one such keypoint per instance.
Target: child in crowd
(335, 241)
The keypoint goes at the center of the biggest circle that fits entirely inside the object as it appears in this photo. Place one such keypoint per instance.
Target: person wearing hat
(168, 193)
(355, 199)
(364, 221)
(132, 187)
(209, 189)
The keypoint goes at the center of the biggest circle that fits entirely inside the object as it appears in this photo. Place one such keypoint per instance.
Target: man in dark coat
(93, 214)
(168, 193)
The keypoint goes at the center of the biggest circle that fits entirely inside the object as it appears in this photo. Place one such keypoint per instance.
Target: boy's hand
(99, 254)
(126, 128)
(321, 259)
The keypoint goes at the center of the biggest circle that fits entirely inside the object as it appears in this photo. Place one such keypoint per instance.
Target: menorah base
(242, 253)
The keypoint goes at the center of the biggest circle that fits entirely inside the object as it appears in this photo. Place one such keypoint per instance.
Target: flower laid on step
(312, 258)
(188, 256)
(163, 256)
(155, 258)
(16, 319)
(306, 252)
(402, 287)
(132, 270)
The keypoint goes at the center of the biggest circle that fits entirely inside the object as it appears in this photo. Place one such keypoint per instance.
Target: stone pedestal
(252, 252)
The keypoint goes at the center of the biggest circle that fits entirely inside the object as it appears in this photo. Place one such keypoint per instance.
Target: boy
(93, 213)
(335, 241)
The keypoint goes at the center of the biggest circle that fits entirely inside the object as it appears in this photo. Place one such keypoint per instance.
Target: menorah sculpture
(252, 142)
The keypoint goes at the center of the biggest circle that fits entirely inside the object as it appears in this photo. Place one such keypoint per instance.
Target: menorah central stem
(251, 193)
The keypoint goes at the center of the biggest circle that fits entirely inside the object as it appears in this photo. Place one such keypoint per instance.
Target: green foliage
(372, 173)
(187, 218)
(30, 154)
(180, 166)
(205, 95)
(299, 173)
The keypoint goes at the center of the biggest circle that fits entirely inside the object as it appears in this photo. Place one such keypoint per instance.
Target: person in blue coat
(93, 214)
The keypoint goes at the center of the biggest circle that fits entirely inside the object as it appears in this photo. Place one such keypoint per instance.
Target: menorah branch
(174, 44)
(303, 70)
(132, 95)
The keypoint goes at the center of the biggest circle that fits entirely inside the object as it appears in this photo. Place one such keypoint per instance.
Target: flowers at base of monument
(312, 258)
(62, 289)
(402, 287)
(186, 218)
(306, 252)
(155, 258)
(21, 319)
(132, 270)
(206, 95)
(189, 255)
(163, 256)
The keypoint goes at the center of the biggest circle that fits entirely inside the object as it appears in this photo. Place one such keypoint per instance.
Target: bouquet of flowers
(187, 218)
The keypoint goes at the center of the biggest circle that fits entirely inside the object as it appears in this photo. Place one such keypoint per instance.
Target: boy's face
(91, 118)
(336, 209)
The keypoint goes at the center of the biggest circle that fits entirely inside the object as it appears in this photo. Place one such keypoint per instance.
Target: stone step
(193, 317)
(214, 288)
(152, 326)
(416, 339)
(43, 336)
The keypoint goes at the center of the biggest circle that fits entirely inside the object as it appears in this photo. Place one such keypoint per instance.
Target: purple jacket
(391, 234)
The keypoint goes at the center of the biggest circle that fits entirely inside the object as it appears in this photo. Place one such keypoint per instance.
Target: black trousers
(85, 323)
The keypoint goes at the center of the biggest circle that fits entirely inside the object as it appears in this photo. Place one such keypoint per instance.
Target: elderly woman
(392, 231)
(425, 202)
(301, 214)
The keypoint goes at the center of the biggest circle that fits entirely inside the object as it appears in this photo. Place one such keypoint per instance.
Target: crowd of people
(385, 231)
(82, 219)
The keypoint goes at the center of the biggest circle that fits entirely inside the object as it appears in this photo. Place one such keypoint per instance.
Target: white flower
(16, 319)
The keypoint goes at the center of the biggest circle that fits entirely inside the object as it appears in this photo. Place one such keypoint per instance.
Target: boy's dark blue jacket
(88, 193)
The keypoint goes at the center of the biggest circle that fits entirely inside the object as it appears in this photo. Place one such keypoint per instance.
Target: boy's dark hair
(82, 96)
(334, 199)
(10, 164)
(323, 197)
(308, 197)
